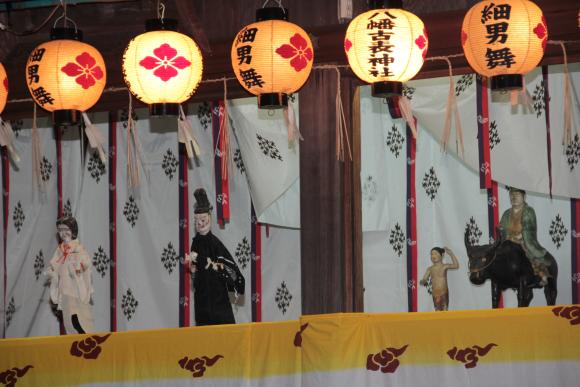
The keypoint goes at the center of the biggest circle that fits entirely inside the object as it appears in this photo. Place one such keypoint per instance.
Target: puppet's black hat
(202, 204)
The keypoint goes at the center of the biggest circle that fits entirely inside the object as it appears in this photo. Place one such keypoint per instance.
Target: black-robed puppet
(215, 271)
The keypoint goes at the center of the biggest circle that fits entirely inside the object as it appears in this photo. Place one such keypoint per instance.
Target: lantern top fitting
(375, 4)
(161, 25)
(271, 13)
(58, 33)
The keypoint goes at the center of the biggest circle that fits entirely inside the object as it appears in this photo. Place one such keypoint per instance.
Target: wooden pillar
(330, 205)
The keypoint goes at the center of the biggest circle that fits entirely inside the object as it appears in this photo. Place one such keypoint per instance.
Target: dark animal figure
(506, 265)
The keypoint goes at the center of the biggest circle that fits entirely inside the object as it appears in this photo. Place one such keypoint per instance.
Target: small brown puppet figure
(69, 273)
(436, 276)
(215, 271)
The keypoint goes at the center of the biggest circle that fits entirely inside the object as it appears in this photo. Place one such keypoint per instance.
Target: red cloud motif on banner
(88, 348)
(10, 376)
(571, 313)
(197, 366)
(469, 355)
(387, 360)
(298, 337)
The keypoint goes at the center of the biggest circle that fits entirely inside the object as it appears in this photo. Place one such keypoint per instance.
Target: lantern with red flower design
(3, 88)
(504, 39)
(65, 75)
(272, 57)
(162, 67)
(386, 46)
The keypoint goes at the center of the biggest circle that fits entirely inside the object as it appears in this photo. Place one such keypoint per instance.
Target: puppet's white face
(202, 223)
(64, 233)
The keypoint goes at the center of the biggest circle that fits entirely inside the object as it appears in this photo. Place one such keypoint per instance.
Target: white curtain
(145, 225)
(31, 236)
(272, 161)
(449, 199)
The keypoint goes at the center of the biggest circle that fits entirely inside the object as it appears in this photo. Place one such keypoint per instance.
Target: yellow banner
(281, 352)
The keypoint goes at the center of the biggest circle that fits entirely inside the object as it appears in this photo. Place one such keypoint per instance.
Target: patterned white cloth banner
(449, 202)
(272, 163)
(518, 136)
(147, 228)
(31, 237)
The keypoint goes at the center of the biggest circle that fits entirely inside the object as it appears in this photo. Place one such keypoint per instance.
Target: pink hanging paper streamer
(293, 130)
(186, 137)
(451, 110)
(36, 174)
(7, 139)
(95, 137)
(407, 114)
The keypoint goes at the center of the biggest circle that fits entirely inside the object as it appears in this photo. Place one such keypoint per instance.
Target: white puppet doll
(70, 279)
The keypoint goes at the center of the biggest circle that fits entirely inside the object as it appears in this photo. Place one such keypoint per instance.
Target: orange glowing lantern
(272, 57)
(386, 47)
(162, 67)
(65, 75)
(504, 39)
(3, 88)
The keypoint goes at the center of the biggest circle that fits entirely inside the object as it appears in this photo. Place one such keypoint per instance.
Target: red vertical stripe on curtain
(221, 180)
(493, 219)
(547, 115)
(113, 218)
(184, 273)
(58, 135)
(256, 267)
(483, 133)
(575, 238)
(412, 283)
(5, 211)
(225, 184)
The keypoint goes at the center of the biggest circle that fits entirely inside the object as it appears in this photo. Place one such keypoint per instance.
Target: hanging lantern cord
(160, 10)
(64, 16)
(277, 1)
(3, 27)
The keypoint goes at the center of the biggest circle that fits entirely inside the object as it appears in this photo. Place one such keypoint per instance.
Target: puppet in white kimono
(215, 271)
(70, 279)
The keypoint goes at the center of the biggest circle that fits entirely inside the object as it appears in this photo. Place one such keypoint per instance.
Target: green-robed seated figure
(518, 224)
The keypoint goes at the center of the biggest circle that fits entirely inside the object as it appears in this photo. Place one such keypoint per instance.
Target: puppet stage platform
(505, 347)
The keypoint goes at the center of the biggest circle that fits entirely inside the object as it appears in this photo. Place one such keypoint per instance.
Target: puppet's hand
(73, 269)
(191, 257)
(191, 260)
(50, 273)
(215, 265)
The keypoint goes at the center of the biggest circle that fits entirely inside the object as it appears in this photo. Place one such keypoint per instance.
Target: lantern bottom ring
(65, 117)
(163, 109)
(272, 100)
(506, 82)
(387, 89)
